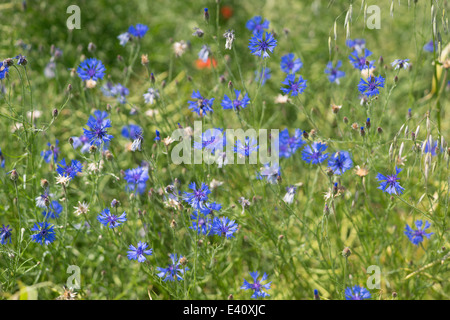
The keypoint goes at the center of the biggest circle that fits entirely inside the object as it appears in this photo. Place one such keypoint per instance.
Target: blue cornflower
(360, 62)
(158, 136)
(247, 148)
(52, 152)
(263, 76)
(83, 142)
(429, 46)
(72, 170)
(212, 139)
(3, 71)
(260, 45)
(173, 271)
(135, 133)
(124, 38)
(201, 223)
(257, 285)
(43, 199)
(400, 64)
(139, 31)
(314, 153)
(290, 193)
(53, 211)
(235, 104)
(204, 52)
(98, 125)
(138, 253)
(21, 60)
(151, 95)
(357, 293)
(91, 69)
(294, 88)
(224, 227)
(197, 196)
(131, 131)
(5, 234)
(289, 145)
(289, 64)
(2, 159)
(340, 162)
(416, 236)
(431, 147)
(357, 44)
(371, 87)
(334, 73)
(202, 105)
(106, 217)
(390, 183)
(256, 25)
(118, 91)
(270, 173)
(210, 207)
(46, 233)
(136, 179)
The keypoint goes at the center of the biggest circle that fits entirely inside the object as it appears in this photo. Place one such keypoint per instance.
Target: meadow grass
(299, 245)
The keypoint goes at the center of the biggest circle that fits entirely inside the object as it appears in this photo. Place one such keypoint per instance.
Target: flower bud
(362, 132)
(144, 59)
(44, 183)
(13, 175)
(346, 252)
(91, 47)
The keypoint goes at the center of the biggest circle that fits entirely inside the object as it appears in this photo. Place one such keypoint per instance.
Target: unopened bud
(108, 155)
(346, 252)
(9, 62)
(91, 47)
(144, 59)
(14, 175)
(55, 113)
(183, 261)
(44, 183)
(362, 132)
(115, 203)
